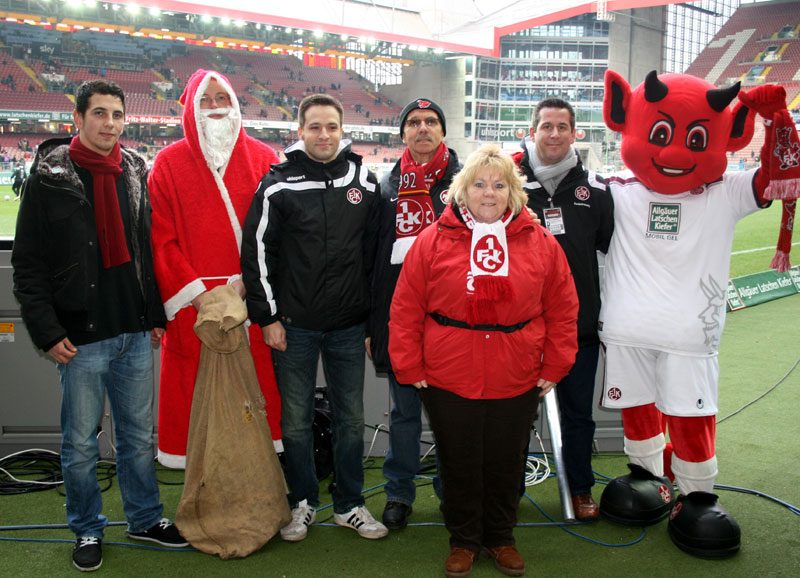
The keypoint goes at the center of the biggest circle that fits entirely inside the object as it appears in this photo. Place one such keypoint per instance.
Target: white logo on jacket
(354, 196)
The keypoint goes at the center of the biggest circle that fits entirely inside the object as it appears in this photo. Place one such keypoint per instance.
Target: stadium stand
(760, 44)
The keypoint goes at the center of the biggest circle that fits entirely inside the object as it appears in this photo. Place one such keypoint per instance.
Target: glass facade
(568, 59)
(565, 59)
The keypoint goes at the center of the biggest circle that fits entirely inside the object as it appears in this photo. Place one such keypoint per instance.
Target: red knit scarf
(105, 171)
(414, 205)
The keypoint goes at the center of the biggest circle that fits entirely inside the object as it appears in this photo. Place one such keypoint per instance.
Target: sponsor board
(758, 288)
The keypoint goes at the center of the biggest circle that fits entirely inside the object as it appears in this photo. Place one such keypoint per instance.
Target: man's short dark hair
(318, 99)
(553, 103)
(92, 87)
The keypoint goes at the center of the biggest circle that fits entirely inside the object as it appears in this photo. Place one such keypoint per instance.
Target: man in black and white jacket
(308, 249)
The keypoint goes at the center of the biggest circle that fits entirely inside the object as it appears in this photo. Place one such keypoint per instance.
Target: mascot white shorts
(679, 385)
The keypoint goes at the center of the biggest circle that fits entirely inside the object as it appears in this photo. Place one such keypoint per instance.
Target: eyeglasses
(430, 122)
(219, 100)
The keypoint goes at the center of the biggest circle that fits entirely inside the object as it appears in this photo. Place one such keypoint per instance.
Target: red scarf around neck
(414, 205)
(105, 171)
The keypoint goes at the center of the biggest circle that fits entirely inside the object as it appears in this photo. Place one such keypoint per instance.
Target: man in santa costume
(663, 301)
(201, 188)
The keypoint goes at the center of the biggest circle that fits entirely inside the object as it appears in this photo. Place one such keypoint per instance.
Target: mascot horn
(663, 300)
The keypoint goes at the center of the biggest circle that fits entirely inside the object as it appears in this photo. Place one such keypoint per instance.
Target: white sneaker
(303, 516)
(360, 520)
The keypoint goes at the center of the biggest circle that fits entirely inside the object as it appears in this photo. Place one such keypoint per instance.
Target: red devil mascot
(665, 280)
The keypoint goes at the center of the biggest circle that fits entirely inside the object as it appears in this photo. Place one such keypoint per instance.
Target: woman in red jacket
(484, 323)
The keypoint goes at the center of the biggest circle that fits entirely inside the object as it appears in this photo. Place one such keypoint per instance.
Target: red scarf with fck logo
(487, 281)
(414, 205)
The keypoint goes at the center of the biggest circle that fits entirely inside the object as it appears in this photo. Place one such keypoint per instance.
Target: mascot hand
(765, 100)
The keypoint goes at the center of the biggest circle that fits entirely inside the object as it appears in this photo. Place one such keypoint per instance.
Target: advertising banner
(759, 288)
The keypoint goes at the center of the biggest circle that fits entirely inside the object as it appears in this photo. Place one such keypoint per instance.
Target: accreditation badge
(554, 220)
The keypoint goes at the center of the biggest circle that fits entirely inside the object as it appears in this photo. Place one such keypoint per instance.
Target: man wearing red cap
(201, 188)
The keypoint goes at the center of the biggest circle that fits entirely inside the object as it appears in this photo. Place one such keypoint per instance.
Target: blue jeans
(402, 460)
(122, 366)
(575, 396)
(296, 373)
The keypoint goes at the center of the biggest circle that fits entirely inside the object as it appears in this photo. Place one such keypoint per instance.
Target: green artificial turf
(8, 212)
(757, 449)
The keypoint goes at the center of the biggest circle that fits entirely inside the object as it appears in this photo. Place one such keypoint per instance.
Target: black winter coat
(385, 277)
(588, 213)
(55, 255)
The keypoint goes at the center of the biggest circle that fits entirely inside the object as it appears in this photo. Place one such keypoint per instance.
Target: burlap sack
(234, 495)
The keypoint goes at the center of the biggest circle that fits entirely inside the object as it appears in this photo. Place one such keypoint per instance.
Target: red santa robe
(197, 228)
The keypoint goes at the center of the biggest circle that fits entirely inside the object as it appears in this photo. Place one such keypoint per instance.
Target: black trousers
(482, 446)
(575, 401)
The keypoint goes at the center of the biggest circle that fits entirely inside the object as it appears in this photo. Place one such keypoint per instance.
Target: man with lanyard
(576, 206)
(412, 197)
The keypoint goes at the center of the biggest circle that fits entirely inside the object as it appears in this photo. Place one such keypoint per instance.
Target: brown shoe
(508, 560)
(459, 563)
(585, 508)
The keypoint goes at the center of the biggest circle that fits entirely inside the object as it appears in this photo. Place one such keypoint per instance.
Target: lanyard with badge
(554, 219)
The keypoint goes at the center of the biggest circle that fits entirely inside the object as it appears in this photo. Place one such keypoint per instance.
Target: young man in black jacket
(83, 275)
(412, 197)
(308, 247)
(576, 206)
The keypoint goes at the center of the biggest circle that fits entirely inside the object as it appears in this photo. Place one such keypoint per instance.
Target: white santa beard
(219, 135)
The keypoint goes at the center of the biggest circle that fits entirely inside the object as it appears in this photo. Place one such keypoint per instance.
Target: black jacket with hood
(308, 242)
(56, 257)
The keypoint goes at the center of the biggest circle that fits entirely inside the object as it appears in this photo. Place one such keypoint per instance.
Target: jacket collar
(452, 225)
(296, 153)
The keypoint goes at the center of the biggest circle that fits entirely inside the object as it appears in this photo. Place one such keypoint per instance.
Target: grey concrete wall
(636, 42)
(444, 84)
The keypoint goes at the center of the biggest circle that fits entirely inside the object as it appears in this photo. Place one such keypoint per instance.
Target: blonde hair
(491, 156)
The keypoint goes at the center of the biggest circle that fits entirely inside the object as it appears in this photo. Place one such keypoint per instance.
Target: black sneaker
(164, 533)
(87, 555)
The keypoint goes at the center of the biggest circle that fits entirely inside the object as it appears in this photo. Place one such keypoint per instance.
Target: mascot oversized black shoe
(700, 526)
(637, 499)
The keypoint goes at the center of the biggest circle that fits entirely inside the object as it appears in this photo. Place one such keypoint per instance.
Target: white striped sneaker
(360, 520)
(303, 516)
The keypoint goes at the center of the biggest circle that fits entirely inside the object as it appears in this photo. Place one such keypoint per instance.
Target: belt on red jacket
(448, 322)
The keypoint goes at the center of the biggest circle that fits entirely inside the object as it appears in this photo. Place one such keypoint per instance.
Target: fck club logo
(614, 393)
(354, 196)
(488, 254)
(665, 494)
(423, 103)
(582, 193)
(412, 217)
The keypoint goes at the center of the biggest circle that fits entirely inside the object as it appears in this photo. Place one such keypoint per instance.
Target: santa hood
(190, 99)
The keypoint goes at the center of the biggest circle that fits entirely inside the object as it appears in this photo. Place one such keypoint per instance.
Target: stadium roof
(469, 26)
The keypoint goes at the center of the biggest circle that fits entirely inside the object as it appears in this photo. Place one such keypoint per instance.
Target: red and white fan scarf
(781, 157)
(487, 280)
(414, 206)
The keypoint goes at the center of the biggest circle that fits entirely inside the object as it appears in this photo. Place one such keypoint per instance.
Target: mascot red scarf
(666, 273)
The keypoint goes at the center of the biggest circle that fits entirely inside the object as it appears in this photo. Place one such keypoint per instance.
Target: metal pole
(554, 425)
